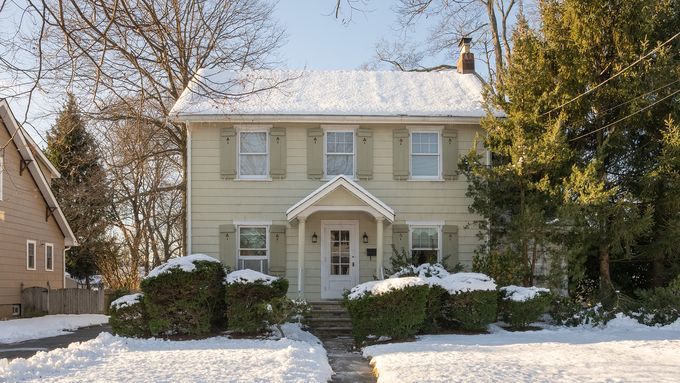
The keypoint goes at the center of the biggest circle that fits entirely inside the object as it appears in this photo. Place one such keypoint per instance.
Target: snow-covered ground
(297, 358)
(624, 351)
(17, 330)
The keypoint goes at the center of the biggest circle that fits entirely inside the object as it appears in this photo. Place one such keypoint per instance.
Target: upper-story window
(49, 257)
(339, 153)
(253, 154)
(425, 155)
(30, 254)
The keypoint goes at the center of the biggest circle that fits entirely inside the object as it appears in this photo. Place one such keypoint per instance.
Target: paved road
(29, 348)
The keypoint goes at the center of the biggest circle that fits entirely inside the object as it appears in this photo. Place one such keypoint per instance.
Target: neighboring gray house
(318, 177)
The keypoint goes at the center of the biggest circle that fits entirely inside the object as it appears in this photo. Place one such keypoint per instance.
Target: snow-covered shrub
(128, 317)
(185, 296)
(471, 303)
(249, 296)
(521, 306)
(660, 306)
(393, 307)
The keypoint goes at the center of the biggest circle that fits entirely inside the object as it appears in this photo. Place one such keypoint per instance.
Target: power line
(626, 117)
(617, 74)
(639, 96)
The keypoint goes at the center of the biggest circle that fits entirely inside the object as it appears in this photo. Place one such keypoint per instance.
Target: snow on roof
(249, 276)
(521, 294)
(127, 300)
(331, 93)
(184, 263)
(384, 286)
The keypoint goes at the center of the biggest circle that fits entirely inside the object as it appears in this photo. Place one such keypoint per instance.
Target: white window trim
(252, 129)
(339, 129)
(35, 254)
(426, 225)
(425, 129)
(51, 246)
(252, 258)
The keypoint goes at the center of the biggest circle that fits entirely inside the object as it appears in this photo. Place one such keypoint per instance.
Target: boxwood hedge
(247, 304)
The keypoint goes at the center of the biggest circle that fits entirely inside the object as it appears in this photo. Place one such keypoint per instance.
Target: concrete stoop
(329, 319)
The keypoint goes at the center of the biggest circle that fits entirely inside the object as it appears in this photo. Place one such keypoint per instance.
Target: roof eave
(326, 118)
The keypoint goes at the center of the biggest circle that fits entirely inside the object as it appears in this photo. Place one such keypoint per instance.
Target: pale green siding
(215, 201)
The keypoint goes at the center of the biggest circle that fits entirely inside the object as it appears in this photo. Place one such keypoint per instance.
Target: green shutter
(277, 153)
(450, 154)
(228, 153)
(227, 244)
(315, 153)
(364, 153)
(400, 153)
(450, 245)
(400, 238)
(277, 250)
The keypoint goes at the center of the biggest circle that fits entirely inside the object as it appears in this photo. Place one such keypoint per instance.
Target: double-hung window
(425, 244)
(30, 254)
(253, 248)
(339, 153)
(49, 257)
(253, 154)
(425, 155)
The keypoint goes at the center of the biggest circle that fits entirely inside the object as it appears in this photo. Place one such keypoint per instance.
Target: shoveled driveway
(29, 348)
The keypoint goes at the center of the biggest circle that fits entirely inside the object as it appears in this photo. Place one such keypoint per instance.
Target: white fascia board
(325, 119)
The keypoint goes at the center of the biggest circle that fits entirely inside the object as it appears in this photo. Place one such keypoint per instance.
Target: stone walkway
(28, 348)
(347, 362)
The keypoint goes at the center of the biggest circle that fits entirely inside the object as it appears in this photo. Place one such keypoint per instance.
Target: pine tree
(81, 191)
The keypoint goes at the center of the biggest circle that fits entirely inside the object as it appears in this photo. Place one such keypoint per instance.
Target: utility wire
(625, 117)
(639, 96)
(612, 77)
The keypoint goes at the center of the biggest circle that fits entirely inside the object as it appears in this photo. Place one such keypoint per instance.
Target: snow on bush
(250, 276)
(522, 294)
(384, 286)
(464, 282)
(425, 270)
(186, 263)
(127, 300)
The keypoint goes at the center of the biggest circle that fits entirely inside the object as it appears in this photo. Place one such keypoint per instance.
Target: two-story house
(319, 175)
(34, 234)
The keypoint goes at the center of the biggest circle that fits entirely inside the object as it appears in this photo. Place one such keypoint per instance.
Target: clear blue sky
(317, 40)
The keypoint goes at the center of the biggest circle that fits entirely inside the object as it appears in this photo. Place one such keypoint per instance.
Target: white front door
(339, 257)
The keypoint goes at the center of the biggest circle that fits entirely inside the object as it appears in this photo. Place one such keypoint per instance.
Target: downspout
(188, 191)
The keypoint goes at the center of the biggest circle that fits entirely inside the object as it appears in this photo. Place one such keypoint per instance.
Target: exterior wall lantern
(365, 237)
(314, 238)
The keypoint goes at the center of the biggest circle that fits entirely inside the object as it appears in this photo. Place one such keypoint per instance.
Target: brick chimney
(466, 61)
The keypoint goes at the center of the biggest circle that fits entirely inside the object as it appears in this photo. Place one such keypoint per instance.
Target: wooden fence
(36, 300)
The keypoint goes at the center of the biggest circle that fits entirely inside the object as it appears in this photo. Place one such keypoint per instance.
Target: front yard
(109, 358)
(19, 330)
(624, 351)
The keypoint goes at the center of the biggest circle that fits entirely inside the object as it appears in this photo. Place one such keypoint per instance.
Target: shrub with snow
(249, 296)
(660, 306)
(128, 317)
(394, 308)
(425, 270)
(185, 296)
(520, 306)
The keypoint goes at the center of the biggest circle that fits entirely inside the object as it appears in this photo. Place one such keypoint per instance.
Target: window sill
(254, 179)
(426, 179)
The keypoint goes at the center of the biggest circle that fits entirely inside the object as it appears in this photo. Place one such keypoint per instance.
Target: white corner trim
(188, 191)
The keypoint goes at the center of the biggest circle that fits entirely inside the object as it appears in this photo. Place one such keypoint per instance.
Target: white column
(379, 248)
(301, 256)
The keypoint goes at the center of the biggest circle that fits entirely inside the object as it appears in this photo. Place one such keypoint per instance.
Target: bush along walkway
(329, 321)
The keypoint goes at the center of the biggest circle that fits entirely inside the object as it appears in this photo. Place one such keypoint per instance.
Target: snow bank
(110, 358)
(249, 276)
(384, 286)
(18, 330)
(184, 263)
(127, 300)
(521, 294)
(623, 351)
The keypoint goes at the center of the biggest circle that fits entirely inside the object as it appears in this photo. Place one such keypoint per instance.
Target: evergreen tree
(81, 191)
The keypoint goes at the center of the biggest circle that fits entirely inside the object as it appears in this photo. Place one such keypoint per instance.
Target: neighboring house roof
(215, 92)
(21, 140)
(347, 183)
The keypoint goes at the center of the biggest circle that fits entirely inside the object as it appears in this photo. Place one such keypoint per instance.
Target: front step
(328, 319)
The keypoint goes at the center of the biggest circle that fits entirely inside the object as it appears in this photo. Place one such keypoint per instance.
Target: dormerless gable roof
(215, 92)
(22, 143)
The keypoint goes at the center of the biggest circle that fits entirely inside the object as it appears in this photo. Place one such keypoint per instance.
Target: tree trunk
(606, 286)
(495, 37)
